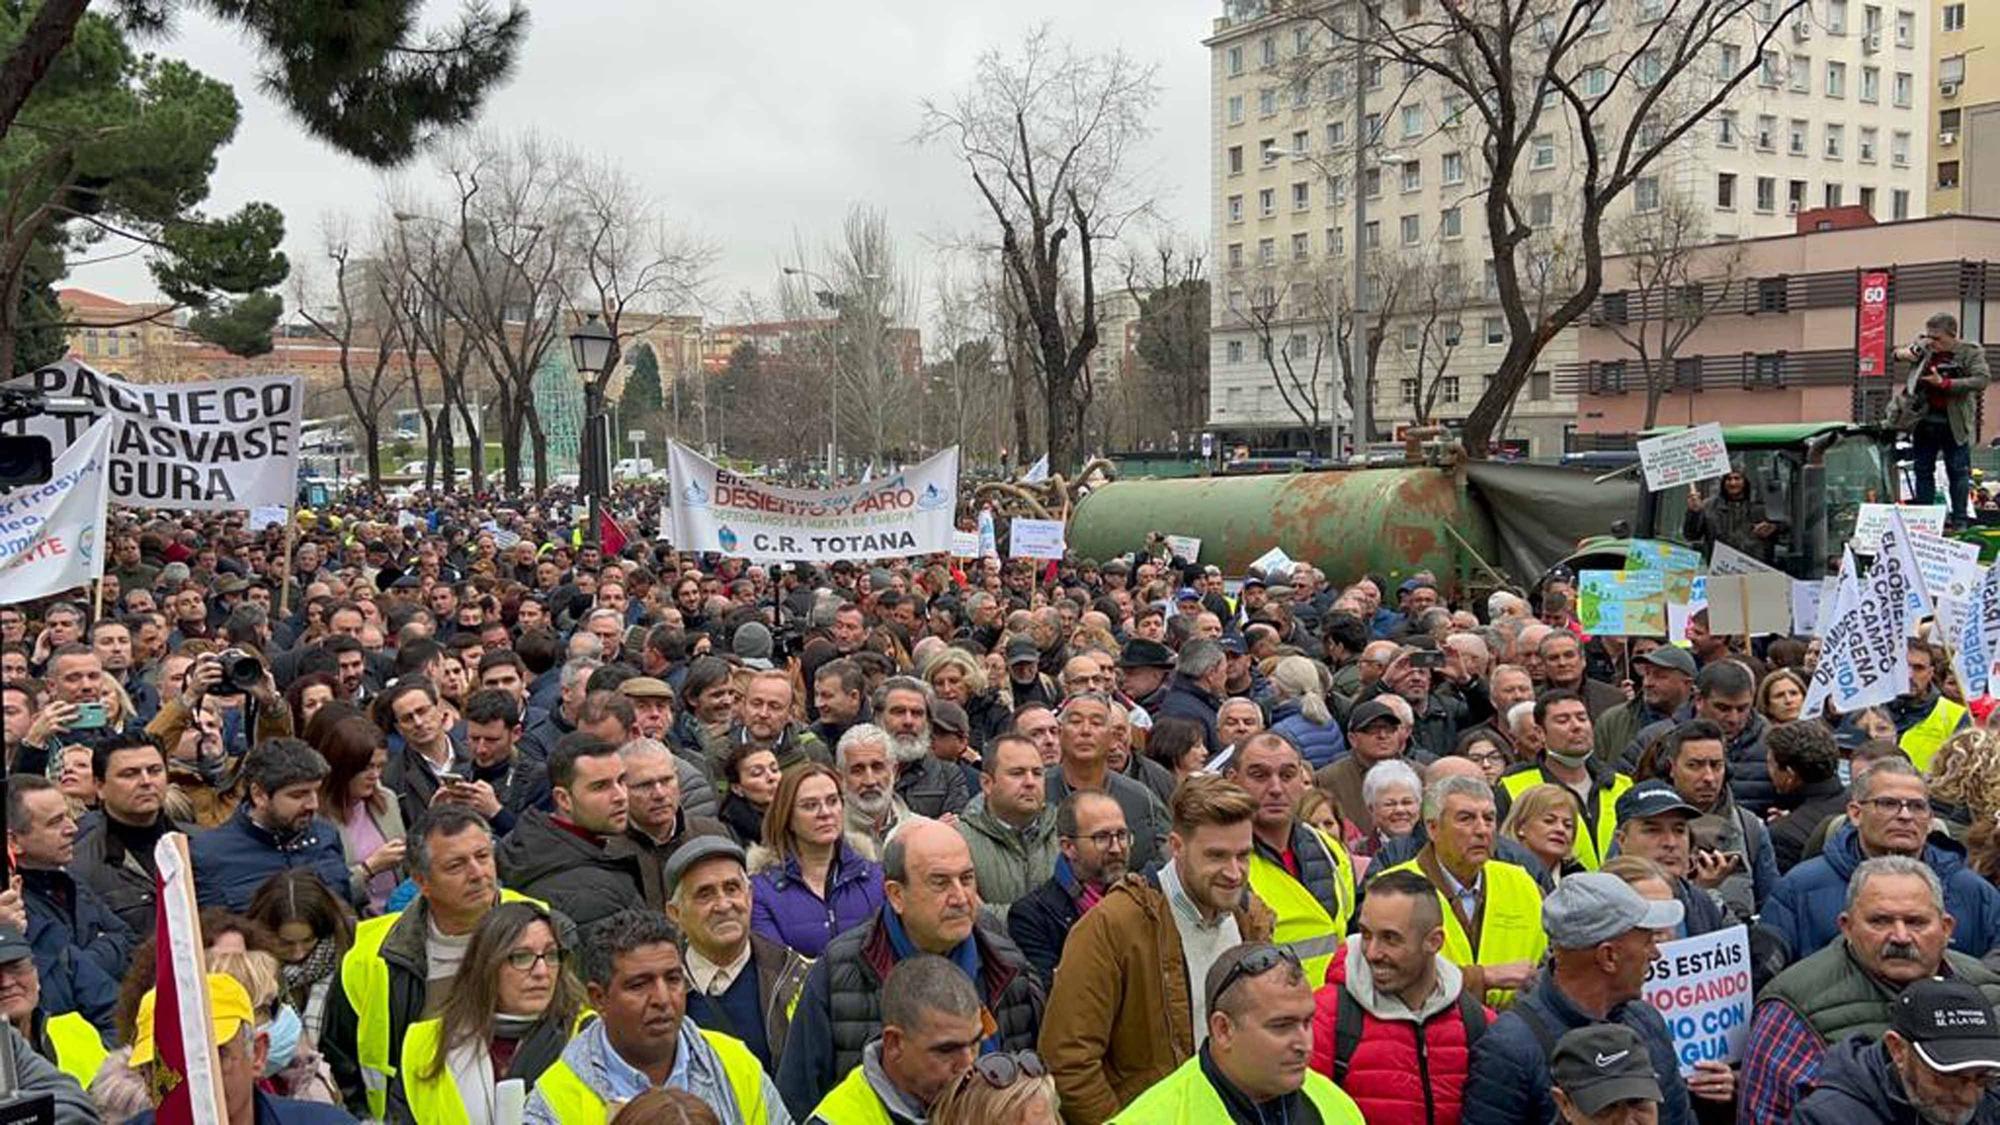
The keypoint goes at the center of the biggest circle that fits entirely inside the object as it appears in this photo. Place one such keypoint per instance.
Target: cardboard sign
(1746, 605)
(268, 515)
(1873, 519)
(1036, 539)
(1622, 603)
(1653, 554)
(1950, 568)
(1273, 562)
(1684, 457)
(1701, 988)
(965, 544)
(1726, 559)
(1185, 547)
(1806, 595)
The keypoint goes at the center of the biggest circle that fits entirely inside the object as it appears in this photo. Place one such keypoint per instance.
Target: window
(1235, 56)
(1866, 143)
(1947, 176)
(1372, 127)
(1336, 135)
(1236, 109)
(1302, 38)
(1296, 345)
(1767, 132)
(1267, 51)
(1801, 74)
(1301, 143)
(1687, 373)
(1336, 242)
(1767, 194)
(1301, 246)
(1234, 350)
(1948, 120)
(1867, 200)
(1728, 60)
(1451, 281)
(1594, 82)
(1267, 102)
(1336, 187)
(1541, 388)
(1451, 224)
(1413, 121)
(1267, 150)
(1836, 17)
(1543, 151)
(1652, 9)
(1267, 252)
(1236, 255)
(1235, 208)
(1725, 191)
(1301, 93)
(1646, 193)
(1371, 183)
(1796, 137)
(1374, 73)
(1906, 28)
(1267, 202)
(1767, 69)
(1411, 337)
(1235, 160)
(1447, 388)
(1836, 141)
(1455, 106)
(1871, 84)
(1900, 89)
(1899, 204)
(1413, 175)
(1541, 210)
(1871, 18)
(1954, 17)
(1770, 369)
(1795, 196)
(1413, 230)
(1836, 79)
(1899, 148)
(1490, 282)
(1726, 128)
(1496, 330)
(1301, 195)
(1454, 333)
(1831, 195)
(1371, 235)
(1453, 168)
(1649, 67)
(1951, 69)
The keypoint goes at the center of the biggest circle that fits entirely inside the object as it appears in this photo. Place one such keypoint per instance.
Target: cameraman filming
(1950, 373)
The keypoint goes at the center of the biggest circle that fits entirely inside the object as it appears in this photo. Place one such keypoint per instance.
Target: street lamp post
(831, 300)
(590, 349)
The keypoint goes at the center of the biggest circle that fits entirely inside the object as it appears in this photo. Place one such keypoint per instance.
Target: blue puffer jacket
(1749, 774)
(71, 981)
(1803, 911)
(235, 857)
(1508, 1083)
(1320, 744)
(784, 908)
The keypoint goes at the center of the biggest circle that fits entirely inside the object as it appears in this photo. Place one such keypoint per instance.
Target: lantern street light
(590, 346)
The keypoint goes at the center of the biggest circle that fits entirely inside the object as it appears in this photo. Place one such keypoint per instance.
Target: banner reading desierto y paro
(210, 445)
(905, 513)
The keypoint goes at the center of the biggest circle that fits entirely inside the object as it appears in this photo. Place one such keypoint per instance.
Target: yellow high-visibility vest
(1922, 742)
(1185, 1097)
(853, 1102)
(1510, 926)
(1305, 926)
(575, 1103)
(1590, 848)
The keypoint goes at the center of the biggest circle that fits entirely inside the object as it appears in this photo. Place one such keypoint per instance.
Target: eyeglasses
(1003, 1070)
(1894, 806)
(1254, 964)
(1118, 836)
(524, 960)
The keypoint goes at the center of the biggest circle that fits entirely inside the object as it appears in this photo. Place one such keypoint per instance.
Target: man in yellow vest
(642, 1039)
(1924, 717)
(931, 1031)
(67, 1040)
(1253, 1065)
(1301, 873)
(1567, 760)
(400, 964)
(1492, 908)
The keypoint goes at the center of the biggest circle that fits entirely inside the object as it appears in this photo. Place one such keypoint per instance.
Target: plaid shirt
(1782, 1055)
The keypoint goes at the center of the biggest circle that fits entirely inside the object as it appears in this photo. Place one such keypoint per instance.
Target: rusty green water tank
(1347, 522)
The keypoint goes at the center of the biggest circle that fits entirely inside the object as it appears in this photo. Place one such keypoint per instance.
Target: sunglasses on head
(1255, 964)
(1006, 1068)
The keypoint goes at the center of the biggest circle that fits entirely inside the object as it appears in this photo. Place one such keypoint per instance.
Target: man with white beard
(928, 786)
(867, 780)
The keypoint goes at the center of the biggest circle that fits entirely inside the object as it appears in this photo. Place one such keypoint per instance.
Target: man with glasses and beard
(1096, 849)
(928, 786)
(1893, 933)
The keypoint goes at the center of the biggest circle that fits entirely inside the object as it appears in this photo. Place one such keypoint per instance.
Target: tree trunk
(478, 439)
(540, 442)
(372, 430)
(53, 27)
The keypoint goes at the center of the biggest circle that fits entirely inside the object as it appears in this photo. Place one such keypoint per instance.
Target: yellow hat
(228, 1010)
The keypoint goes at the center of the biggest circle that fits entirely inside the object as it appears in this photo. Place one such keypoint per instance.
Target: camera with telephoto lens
(241, 673)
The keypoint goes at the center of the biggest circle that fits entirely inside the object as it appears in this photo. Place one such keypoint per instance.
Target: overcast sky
(749, 121)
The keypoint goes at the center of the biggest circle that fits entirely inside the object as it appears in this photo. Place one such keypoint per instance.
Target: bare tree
(423, 268)
(870, 299)
(1433, 302)
(1048, 137)
(363, 332)
(1170, 286)
(964, 381)
(1673, 284)
(1527, 69)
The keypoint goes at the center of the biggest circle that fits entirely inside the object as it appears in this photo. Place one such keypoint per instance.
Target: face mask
(1570, 761)
(283, 1033)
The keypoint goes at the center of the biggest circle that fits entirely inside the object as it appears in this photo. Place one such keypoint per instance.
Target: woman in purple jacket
(811, 883)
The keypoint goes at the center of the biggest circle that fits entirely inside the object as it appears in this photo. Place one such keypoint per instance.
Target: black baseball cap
(1142, 653)
(1599, 1065)
(1652, 798)
(1949, 1023)
(1372, 711)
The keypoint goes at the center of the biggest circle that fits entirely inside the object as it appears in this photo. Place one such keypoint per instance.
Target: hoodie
(1408, 1065)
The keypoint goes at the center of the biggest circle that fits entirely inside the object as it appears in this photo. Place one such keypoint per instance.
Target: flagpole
(187, 1070)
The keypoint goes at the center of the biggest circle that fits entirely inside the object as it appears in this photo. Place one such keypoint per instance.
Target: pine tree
(641, 396)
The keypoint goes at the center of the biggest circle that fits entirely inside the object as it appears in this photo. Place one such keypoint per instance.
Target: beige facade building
(1965, 82)
(1837, 115)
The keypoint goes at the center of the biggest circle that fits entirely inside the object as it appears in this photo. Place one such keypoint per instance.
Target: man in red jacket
(1393, 1025)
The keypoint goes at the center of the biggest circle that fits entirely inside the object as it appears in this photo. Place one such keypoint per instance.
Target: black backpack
(1347, 1029)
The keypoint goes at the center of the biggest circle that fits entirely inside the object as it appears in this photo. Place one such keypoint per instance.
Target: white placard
(1805, 605)
(1701, 987)
(1184, 546)
(1035, 539)
(989, 541)
(1684, 457)
(51, 534)
(965, 544)
(214, 445)
(1726, 560)
(899, 514)
(268, 515)
(1950, 568)
(1870, 522)
(1274, 564)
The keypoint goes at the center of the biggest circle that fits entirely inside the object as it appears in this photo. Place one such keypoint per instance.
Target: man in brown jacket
(1126, 1006)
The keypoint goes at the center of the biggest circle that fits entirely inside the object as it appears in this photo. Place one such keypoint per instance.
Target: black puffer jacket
(932, 788)
(1857, 1083)
(587, 883)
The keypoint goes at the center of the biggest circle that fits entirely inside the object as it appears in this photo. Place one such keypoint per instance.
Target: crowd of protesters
(483, 813)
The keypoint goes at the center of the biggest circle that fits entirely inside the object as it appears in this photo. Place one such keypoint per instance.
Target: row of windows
(1449, 388)
(1451, 334)
(1797, 197)
(1797, 136)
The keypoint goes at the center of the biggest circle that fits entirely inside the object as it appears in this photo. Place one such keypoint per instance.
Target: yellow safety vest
(1510, 927)
(364, 978)
(1185, 1097)
(1587, 849)
(575, 1103)
(434, 1101)
(1921, 742)
(79, 1049)
(1304, 925)
(853, 1102)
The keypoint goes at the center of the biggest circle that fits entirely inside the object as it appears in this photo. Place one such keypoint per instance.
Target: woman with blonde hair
(293, 1066)
(960, 677)
(1301, 713)
(1543, 820)
(1965, 779)
(1000, 1089)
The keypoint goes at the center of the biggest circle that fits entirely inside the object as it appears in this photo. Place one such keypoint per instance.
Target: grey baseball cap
(1591, 908)
(13, 947)
(1599, 1065)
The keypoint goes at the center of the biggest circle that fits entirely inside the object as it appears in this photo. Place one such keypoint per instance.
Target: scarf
(318, 966)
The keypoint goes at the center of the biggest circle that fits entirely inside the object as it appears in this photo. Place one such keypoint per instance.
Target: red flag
(609, 534)
(180, 975)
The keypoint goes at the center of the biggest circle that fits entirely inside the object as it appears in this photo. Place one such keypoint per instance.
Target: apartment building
(1837, 114)
(1965, 81)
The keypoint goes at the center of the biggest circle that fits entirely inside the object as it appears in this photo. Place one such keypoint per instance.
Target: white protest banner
(989, 542)
(903, 513)
(965, 544)
(1037, 472)
(1035, 539)
(1873, 519)
(1971, 657)
(1863, 654)
(1727, 560)
(267, 515)
(1684, 457)
(1949, 568)
(1274, 563)
(1805, 605)
(211, 445)
(1918, 599)
(1701, 988)
(51, 534)
(1186, 547)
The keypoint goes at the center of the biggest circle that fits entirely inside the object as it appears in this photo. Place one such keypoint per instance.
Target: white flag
(989, 542)
(1976, 630)
(53, 537)
(1864, 657)
(1037, 472)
